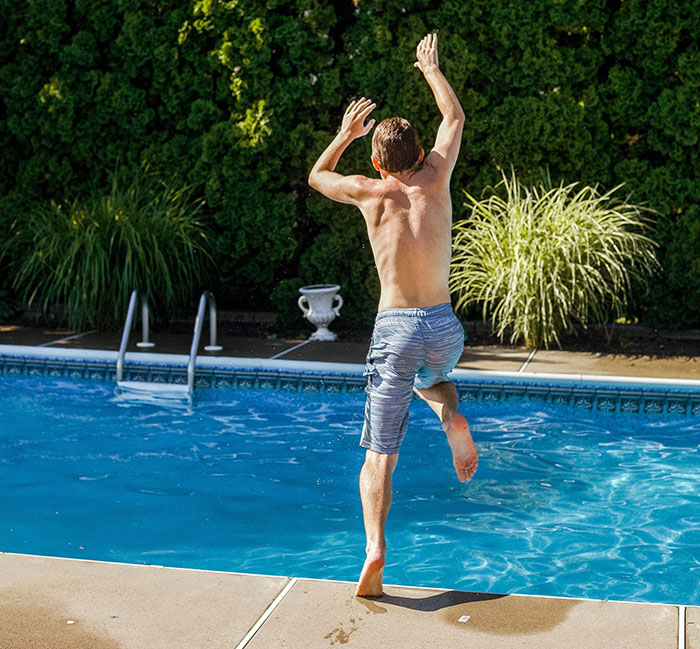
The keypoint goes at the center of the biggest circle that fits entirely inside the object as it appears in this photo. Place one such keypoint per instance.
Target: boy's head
(395, 146)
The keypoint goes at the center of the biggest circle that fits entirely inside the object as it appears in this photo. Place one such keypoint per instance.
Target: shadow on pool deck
(73, 604)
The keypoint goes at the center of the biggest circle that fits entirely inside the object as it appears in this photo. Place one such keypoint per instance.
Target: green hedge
(242, 96)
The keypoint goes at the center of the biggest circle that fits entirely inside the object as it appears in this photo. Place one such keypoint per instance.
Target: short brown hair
(395, 145)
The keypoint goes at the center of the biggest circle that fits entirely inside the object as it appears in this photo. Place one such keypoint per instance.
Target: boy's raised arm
(323, 177)
(449, 136)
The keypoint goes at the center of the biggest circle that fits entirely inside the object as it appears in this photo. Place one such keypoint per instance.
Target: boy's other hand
(427, 54)
(354, 119)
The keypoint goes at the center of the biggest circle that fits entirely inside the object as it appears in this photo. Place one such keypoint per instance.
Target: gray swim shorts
(410, 347)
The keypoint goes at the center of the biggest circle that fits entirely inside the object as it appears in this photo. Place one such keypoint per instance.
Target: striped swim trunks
(409, 347)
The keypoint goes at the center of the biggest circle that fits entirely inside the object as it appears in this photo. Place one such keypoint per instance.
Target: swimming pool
(565, 502)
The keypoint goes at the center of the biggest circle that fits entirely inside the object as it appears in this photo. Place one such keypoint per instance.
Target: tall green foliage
(91, 253)
(242, 96)
(538, 259)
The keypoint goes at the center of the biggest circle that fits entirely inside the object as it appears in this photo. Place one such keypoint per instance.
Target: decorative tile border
(610, 398)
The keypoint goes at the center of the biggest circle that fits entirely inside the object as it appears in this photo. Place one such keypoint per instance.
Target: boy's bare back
(409, 223)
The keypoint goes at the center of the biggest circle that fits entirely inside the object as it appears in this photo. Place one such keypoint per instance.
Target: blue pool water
(266, 482)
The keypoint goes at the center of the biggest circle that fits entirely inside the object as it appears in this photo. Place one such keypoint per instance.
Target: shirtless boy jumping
(417, 339)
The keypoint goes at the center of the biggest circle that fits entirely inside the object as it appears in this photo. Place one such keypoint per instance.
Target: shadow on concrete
(434, 602)
(491, 614)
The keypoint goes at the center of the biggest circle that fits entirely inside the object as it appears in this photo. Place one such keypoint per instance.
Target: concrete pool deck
(53, 603)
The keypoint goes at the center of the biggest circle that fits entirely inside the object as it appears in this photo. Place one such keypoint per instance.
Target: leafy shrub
(538, 259)
(91, 253)
(241, 97)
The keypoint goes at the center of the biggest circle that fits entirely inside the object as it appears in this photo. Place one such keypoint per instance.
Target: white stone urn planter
(316, 302)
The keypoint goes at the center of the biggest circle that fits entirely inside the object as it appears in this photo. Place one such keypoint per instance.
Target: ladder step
(162, 390)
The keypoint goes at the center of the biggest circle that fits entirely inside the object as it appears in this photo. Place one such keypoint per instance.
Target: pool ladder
(165, 389)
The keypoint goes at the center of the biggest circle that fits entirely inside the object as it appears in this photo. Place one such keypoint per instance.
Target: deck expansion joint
(681, 627)
(527, 361)
(291, 349)
(266, 614)
(63, 340)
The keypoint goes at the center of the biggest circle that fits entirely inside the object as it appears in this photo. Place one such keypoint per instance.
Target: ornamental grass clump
(87, 255)
(540, 259)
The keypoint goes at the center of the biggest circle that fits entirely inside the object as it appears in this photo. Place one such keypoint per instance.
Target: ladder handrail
(128, 323)
(207, 296)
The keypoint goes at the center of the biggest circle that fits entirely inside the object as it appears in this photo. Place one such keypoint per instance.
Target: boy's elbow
(312, 180)
(454, 116)
(458, 121)
(454, 120)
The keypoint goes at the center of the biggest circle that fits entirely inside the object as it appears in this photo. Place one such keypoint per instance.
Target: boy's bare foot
(370, 583)
(464, 453)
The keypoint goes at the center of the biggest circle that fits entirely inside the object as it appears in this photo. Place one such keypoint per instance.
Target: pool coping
(214, 571)
(605, 394)
(179, 361)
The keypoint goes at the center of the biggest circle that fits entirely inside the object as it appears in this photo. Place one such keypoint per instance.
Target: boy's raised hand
(427, 54)
(354, 118)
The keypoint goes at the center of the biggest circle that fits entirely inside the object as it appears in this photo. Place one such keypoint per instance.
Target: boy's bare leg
(444, 401)
(375, 492)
